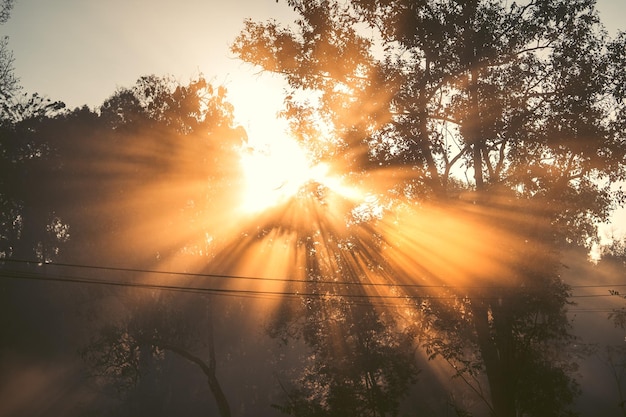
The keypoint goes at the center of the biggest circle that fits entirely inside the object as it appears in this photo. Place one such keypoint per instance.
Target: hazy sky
(80, 51)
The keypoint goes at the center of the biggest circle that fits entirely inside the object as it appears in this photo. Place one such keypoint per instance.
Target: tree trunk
(149, 399)
(496, 352)
(216, 389)
(214, 385)
(207, 368)
(494, 333)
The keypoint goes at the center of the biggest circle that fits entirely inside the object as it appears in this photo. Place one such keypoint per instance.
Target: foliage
(504, 119)
(357, 359)
(428, 72)
(615, 253)
(160, 101)
(85, 186)
(360, 362)
(129, 146)
(166, 137)
(130, 354)
(518, 103)
(27, 110)
(24, 153)
(8, 81)
(5, 10)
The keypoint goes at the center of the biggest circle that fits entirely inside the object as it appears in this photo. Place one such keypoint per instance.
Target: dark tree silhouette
(508, 117)
(88, 187)
(167, 136)
(130, 354)
(10, 151)
(30, 227)
(8, 81)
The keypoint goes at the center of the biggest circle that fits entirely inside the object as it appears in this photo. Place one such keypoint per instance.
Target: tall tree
(356, 361)
(8, 82)
(131, 353)
(508, 117)
(113, 187)
(173, 161)
(29, 228)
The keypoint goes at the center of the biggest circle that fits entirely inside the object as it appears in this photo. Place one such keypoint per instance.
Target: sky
(81, 51)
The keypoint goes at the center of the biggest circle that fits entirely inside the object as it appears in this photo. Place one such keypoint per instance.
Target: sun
(275, 171)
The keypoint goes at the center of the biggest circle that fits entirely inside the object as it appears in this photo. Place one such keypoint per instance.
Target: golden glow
(275, 172)
(259, 230)
(336, 251)
(278, 231)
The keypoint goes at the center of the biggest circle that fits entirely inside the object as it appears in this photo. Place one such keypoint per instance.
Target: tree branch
(209, 372)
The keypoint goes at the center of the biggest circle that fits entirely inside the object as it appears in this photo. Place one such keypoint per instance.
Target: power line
(39, 276)
(219, 276)
(224, 291)
(376, 300)
(591, 310)
(287, 280)
(352, 299)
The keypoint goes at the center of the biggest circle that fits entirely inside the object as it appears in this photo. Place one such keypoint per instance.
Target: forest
(428, 254)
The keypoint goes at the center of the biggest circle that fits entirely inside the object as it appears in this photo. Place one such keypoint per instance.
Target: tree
(157, 135)
(357, 361)
(109, 187)
(130, 354)
(507, 117)
(29, 227)
(161, 101)
(8, 82)
(162, 153)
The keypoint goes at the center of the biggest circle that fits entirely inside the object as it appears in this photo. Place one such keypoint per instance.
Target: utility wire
(35, 276)
(352, 299)
(375, 300)
(270, 279)
(219, 276)
(42, 276)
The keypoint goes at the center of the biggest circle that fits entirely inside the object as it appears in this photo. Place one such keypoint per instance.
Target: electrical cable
(41, 276)
(270, 279)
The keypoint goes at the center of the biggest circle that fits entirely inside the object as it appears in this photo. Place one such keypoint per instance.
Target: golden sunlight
(275, 172)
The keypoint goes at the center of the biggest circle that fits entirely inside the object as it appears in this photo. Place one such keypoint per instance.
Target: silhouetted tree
(358, 359)
(511, 116)
(358, 364)
(111, 186)
(613, 263)
(130, 353)
(157, 156)
(614, 255)
(8, 81)
(30, 227)
(167, 137)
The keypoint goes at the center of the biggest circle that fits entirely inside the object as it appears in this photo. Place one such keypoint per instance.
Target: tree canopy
(8, 81)
(521, 97)
(507, 117)
(466, 144)
(96, 187)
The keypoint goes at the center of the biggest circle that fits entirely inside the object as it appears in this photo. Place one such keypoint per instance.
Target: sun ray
(277, 170)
